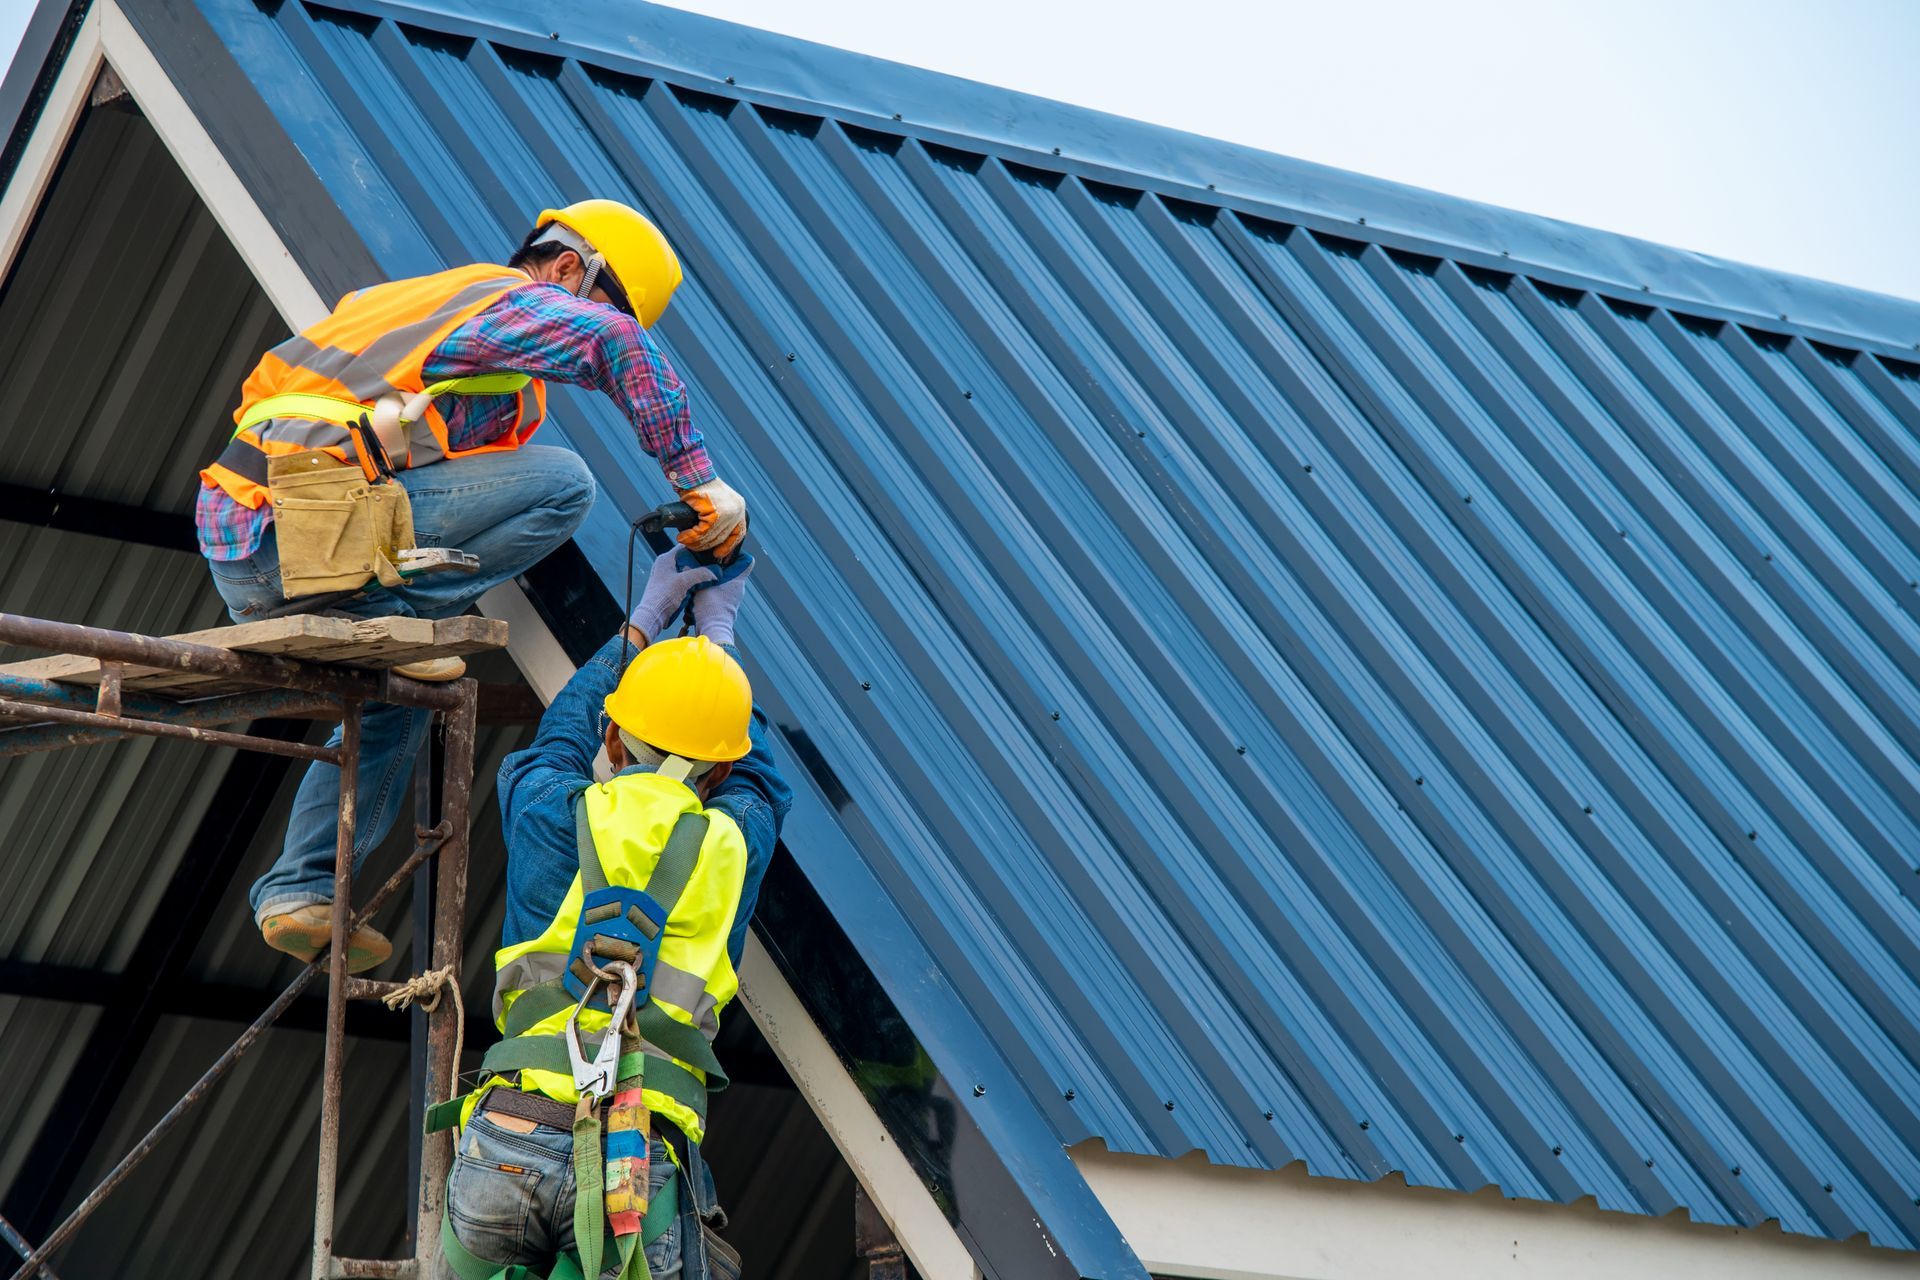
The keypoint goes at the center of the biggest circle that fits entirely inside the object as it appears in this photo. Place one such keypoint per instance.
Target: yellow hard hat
(642, 262)
(686, 696)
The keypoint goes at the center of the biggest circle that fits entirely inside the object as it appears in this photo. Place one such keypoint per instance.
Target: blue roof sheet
(1308, 671)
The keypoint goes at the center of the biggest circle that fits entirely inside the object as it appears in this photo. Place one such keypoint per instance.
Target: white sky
(1779, 132)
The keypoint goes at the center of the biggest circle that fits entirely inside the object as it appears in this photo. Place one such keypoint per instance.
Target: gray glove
(673, 575)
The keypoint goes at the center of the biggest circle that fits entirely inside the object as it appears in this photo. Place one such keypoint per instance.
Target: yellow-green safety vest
(629, 821)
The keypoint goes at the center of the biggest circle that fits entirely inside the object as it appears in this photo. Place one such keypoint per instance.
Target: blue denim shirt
(537, 786)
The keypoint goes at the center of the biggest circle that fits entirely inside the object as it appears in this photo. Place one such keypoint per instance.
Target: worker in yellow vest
(397, 428)
(627, 907)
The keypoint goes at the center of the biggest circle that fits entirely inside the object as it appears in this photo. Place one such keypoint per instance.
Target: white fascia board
(876, 1160)
(1188, 1218)
(48, 142)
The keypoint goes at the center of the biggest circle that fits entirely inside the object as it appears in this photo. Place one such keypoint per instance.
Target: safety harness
(612, 965)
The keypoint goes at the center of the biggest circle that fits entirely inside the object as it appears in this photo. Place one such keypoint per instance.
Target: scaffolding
(55, 715)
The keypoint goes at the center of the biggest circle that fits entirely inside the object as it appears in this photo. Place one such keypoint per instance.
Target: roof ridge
(771, 69)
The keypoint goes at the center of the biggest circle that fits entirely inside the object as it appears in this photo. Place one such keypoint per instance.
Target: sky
(1777, 132)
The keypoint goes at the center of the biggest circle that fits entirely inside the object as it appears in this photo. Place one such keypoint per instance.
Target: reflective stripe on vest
(631, 818)
(375, 343)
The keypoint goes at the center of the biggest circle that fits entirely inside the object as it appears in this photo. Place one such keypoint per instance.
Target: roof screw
(1068, 1095)
(1210, 187)
(1362, 221)
(1469, 499)
(1783, 315)
(966, 395)
(1505, 254)
(979, 1090)
(553, 35)
(1556, 1151)
(1308, 468)
(866, 684)
(1736, 1171)
(1056, 715)
(1419, 782)
(729, 79)
(1140, 434)
(1767, 556)
(1170, 1107)
(1269, 1115)
(1828, 1188)
(1240, 751)
(790, 357)
(1459, 1137)
(1366, 1124)
(1753, 835)
(1646, 288)
(1649, 1162)
(1056, 151)
(1586, 808)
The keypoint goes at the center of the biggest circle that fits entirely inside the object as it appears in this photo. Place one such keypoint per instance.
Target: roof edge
(802, 75)
(29, 77)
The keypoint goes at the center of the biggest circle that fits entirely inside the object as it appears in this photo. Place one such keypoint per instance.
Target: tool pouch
(335, 530)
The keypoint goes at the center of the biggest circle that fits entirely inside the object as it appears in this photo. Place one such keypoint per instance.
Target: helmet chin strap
(590, 276)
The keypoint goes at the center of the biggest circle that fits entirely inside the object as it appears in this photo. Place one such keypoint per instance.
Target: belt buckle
(596, 1077)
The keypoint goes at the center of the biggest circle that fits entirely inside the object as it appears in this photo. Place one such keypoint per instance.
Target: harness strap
(677, 860)
(342, 412)
(549, 1053)
(589, 1207)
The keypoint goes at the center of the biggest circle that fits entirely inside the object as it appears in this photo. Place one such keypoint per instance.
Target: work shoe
(305, 931)
(434, 669)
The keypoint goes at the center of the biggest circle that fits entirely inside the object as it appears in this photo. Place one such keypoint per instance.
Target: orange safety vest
(366, 359)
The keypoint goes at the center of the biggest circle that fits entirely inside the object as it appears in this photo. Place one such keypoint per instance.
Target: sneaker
(305, 931)
(434, 669)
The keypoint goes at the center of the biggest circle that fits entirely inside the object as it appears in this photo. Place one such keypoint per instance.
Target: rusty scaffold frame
(65, 715)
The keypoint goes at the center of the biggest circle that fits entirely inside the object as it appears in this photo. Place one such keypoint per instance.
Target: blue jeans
(510, 1199)
(509, 509)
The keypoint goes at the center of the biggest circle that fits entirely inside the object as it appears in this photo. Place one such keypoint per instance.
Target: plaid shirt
(546, 332)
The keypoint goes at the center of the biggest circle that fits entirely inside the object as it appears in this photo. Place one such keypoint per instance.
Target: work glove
(723, 518)
(716, 603)
(674, 573)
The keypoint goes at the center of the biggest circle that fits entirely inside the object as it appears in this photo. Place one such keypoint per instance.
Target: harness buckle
(596, 1078)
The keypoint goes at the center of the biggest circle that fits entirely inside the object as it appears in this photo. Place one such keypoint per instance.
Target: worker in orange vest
(396, 428)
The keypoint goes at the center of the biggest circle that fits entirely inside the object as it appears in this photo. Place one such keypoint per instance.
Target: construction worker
(436, 383)
(650, 879)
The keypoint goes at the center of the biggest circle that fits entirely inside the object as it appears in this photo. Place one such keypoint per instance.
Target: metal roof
(1303, 671)
(1313, 688)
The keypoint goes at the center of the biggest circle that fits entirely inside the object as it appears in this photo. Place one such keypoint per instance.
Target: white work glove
(715, 604)
(673, 574)
(723, 518)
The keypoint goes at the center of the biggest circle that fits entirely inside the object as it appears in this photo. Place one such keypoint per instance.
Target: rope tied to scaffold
(424, 989)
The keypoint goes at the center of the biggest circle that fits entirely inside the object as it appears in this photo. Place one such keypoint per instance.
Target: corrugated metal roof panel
(1317, 693)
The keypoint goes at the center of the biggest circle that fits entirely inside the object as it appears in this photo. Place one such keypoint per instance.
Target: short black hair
(530, 254)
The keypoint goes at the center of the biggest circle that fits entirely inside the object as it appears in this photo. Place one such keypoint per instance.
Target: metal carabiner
(597, 1078)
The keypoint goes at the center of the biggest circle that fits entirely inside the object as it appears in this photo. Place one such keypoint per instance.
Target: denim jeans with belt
(510, 1200)
(509, 509)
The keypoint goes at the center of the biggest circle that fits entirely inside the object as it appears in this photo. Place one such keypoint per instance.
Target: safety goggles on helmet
(597, 270)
